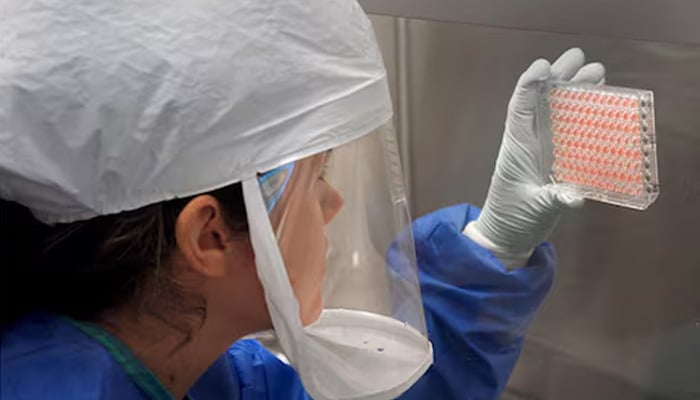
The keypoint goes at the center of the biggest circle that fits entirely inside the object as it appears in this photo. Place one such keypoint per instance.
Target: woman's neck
(175, 354)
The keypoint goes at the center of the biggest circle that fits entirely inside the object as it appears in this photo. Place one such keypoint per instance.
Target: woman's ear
(203, 237)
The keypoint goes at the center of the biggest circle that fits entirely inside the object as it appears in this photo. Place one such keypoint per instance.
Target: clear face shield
(335, 254)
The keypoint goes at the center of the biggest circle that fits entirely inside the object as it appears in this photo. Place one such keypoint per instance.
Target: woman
(178, 158)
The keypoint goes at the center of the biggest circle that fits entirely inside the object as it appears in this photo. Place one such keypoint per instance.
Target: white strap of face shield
(279, 296)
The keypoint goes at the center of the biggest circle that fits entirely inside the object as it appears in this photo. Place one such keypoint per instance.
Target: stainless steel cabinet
(623, 318)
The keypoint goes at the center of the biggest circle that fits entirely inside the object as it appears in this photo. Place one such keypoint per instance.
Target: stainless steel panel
(385, 30)
(674, 21)
(623, 318)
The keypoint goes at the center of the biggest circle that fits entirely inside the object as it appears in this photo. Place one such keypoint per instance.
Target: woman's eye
(324, 168)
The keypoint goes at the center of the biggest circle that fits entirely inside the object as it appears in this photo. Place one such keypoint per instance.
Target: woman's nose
(331, 203)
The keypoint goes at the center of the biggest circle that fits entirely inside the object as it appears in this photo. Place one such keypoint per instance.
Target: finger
(568, 64)
(590, 73)
(538, 71)
(524, 98)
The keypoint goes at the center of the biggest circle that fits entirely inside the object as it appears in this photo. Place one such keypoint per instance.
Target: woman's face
(307, 205)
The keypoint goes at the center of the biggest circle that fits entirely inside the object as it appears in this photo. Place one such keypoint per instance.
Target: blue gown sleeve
(476, 311)
(248, 371)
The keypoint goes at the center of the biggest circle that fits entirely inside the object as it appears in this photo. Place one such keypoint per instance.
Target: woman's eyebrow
(327, 155)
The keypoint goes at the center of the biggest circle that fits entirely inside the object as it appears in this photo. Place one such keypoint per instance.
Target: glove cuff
(509, 259)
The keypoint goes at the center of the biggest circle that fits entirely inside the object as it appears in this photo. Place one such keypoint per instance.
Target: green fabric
(134, 369)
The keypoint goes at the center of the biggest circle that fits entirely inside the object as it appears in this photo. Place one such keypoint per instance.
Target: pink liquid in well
(597, 141)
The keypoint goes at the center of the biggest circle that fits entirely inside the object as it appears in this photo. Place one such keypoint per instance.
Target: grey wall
(623, 318)
(673, 21)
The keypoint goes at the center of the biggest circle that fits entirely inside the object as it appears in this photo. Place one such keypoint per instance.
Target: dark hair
(84, 268)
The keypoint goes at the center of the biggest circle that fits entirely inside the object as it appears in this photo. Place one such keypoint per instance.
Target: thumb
(562, 199)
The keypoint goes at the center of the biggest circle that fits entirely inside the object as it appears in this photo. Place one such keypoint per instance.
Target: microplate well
(599, 142)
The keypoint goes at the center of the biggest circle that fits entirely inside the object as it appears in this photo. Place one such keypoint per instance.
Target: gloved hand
(521, 209)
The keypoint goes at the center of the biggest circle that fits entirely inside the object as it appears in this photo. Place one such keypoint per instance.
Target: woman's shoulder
(44, 356)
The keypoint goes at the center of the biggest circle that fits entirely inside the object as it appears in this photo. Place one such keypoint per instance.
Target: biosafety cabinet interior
(622, 320)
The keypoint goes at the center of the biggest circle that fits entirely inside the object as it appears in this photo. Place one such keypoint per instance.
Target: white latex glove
(521, 209)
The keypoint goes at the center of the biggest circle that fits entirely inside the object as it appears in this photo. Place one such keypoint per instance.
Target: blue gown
(477, 314)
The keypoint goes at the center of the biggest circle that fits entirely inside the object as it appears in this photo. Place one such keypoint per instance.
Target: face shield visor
(335, 255)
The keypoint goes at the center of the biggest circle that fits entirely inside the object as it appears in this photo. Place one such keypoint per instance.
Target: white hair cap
(111, 106)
